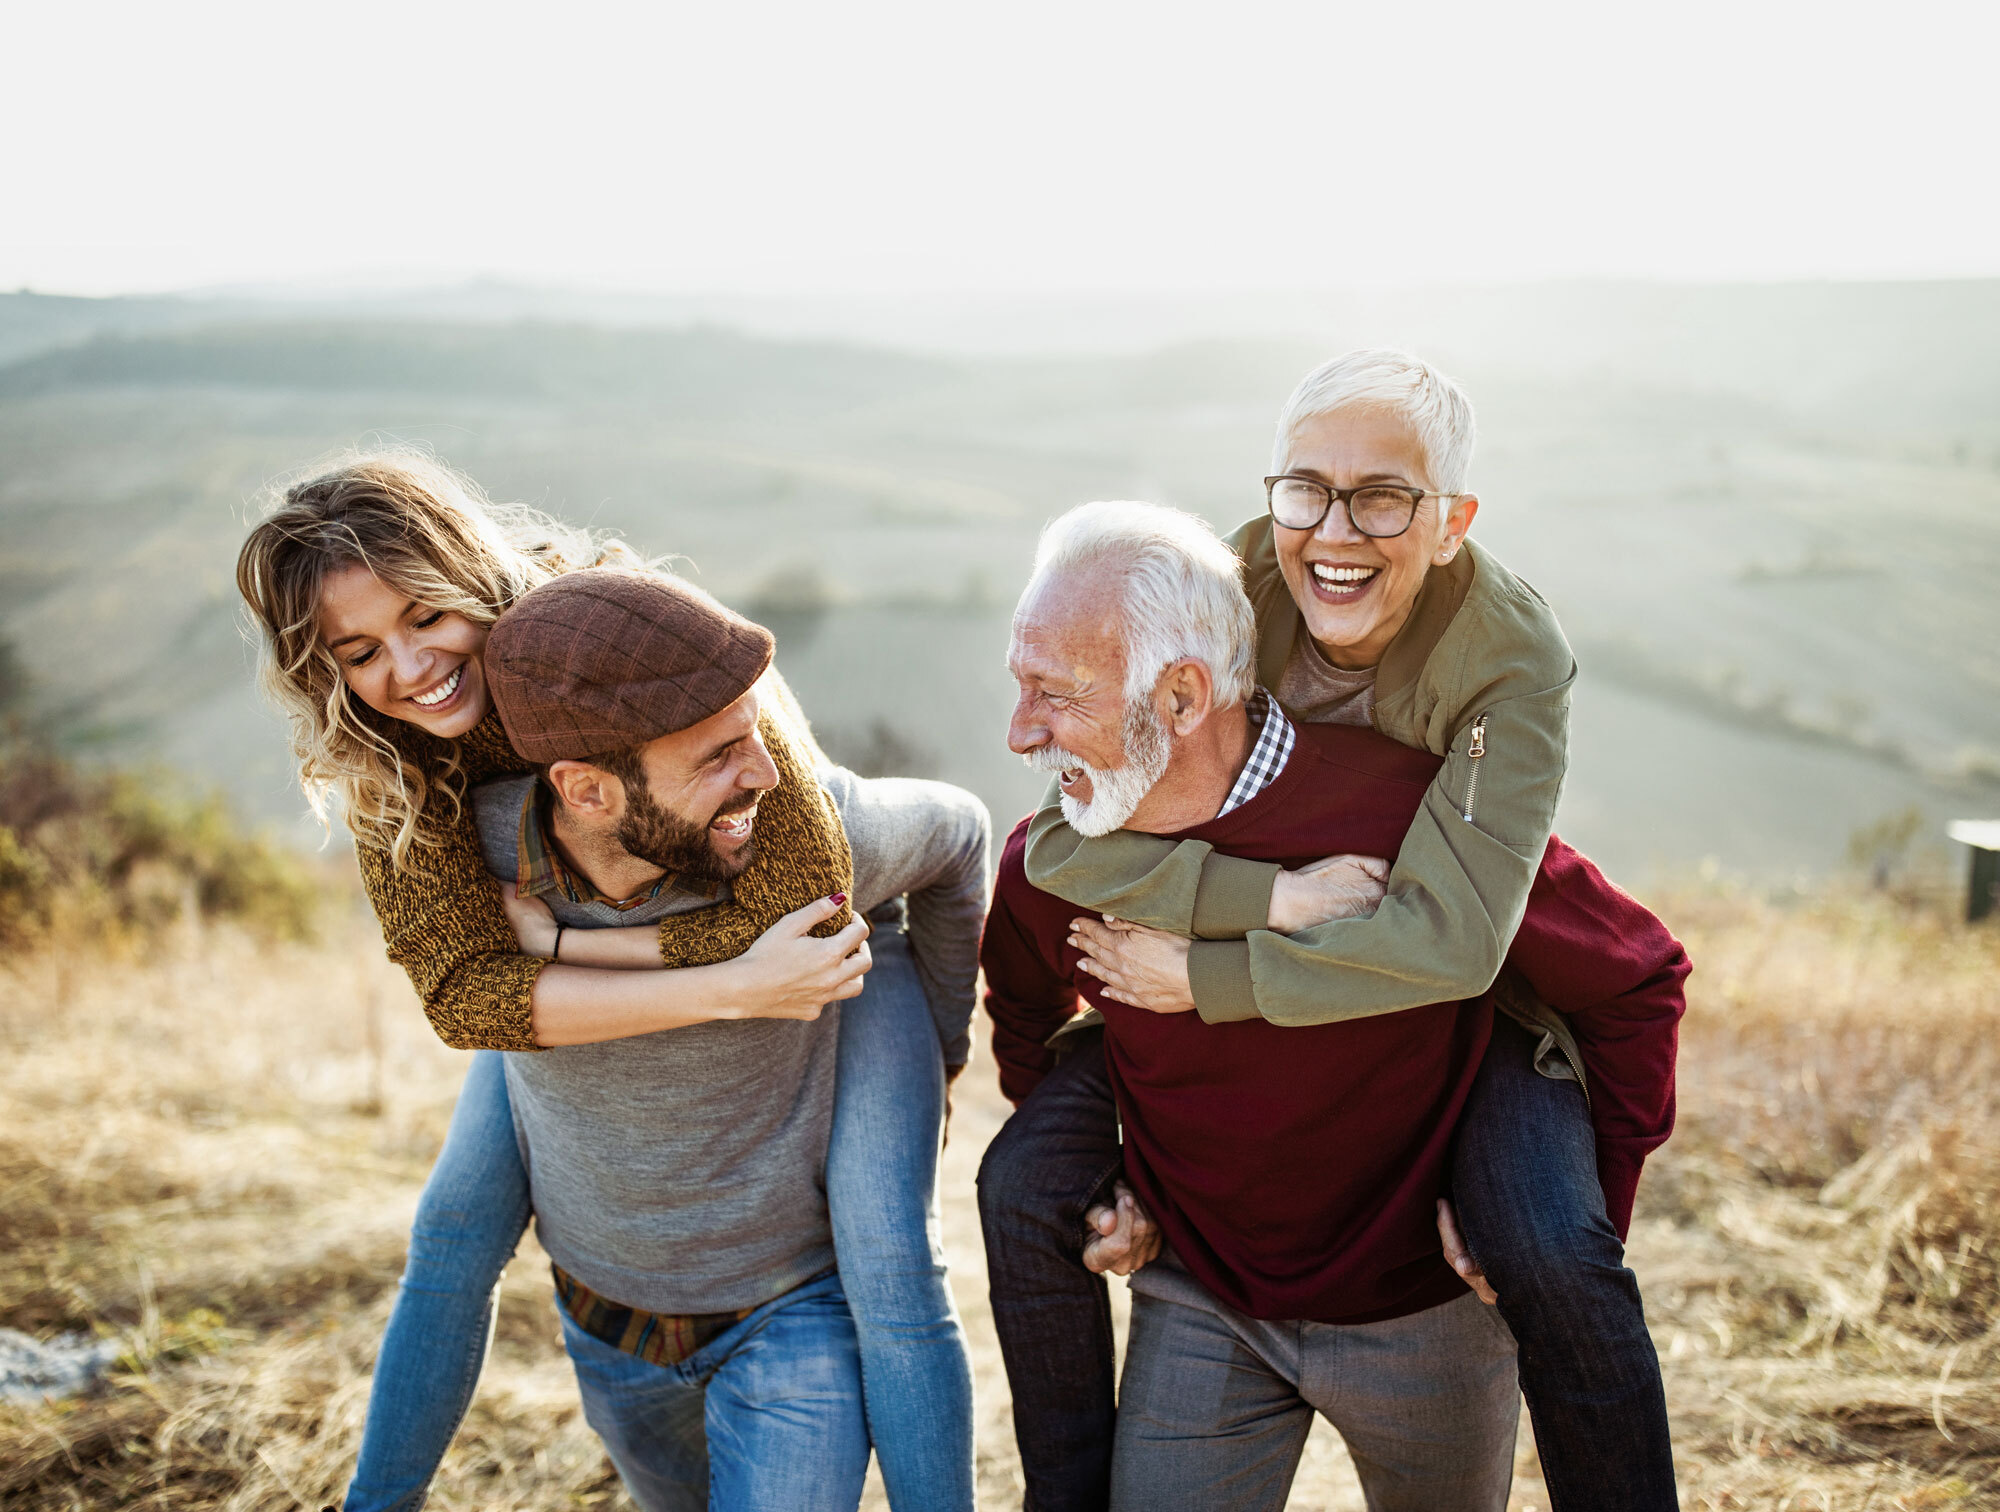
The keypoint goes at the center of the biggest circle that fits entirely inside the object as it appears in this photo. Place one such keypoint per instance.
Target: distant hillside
(1769, 519)
(699, 371)
(1906, 356)
(31, 323)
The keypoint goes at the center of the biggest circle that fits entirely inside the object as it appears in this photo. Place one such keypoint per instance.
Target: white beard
(1114, 794)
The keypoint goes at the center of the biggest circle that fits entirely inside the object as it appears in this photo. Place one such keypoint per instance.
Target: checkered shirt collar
(1273, 748)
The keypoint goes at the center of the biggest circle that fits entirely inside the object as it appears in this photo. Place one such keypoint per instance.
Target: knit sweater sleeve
(443, 924)
(441, 916)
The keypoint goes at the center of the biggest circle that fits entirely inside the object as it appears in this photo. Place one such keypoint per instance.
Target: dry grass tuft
(1820, 1243)
(211, 1151)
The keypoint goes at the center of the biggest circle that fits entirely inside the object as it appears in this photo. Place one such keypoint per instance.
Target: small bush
(120, 856)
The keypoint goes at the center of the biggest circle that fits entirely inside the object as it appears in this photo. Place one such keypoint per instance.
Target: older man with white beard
(1292, 1171)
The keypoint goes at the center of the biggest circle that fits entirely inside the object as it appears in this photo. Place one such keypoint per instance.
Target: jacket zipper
(1473, 751)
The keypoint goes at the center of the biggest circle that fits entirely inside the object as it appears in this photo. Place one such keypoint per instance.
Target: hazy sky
(864, 146)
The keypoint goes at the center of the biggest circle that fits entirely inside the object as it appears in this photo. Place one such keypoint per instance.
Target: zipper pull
(1474, 749)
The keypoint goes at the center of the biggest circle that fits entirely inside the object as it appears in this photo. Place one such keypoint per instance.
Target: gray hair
(1183, 596)
(1433, 405)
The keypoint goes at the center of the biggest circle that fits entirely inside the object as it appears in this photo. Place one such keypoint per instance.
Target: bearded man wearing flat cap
(679, 1179)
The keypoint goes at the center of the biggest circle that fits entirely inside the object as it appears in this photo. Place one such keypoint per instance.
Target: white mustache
(1053, 758)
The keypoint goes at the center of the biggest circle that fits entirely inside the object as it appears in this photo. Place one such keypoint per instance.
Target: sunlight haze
(1036, 147)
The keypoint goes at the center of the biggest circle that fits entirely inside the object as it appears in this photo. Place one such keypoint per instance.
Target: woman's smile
(1339, 584)
(442, 694)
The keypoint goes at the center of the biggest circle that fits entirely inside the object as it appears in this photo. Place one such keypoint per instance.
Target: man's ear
(587, 791)
(1186, 695)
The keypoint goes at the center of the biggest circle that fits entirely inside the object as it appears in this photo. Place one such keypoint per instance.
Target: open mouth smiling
(736, 826)
(1341, 582)
(440, 695)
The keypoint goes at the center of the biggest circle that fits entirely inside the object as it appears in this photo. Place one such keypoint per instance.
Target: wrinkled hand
(1336, 887)
(1147, 968)
(534, 926)
(1126, 1237)
(1459, 1258)
(789, 974)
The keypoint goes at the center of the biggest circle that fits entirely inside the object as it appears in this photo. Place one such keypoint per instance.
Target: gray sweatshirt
(684, 1171)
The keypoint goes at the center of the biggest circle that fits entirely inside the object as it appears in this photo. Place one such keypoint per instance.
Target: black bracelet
(556, 954)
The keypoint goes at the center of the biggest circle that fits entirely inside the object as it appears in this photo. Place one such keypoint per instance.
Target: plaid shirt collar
(1273, 748)
(540, 868)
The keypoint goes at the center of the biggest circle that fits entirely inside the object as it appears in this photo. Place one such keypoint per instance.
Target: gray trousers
(1214, 1407)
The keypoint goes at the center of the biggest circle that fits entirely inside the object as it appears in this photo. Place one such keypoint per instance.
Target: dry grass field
(212, 1152)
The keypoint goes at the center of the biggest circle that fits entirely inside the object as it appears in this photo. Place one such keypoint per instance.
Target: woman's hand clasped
(1335, 887)
(1147, 968)
(790, 974)
(534, 926)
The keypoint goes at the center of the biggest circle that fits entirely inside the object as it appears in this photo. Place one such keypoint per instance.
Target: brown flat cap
(598, 660)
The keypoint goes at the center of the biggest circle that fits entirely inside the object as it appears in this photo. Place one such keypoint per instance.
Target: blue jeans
(473, 1212)
(1524, 1180)
(882, 1192)
(881, 1183)
(766, 1418)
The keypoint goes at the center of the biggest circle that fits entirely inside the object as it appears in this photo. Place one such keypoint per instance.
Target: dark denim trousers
(1047, 1164)
(1525, 1184)
(1524, 1181)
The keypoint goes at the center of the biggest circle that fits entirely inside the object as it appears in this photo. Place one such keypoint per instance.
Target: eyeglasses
(1380, 510)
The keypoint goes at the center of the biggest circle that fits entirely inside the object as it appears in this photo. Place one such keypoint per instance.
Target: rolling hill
(1769, 518)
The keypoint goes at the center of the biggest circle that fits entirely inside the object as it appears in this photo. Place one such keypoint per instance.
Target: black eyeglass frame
(1346, 498)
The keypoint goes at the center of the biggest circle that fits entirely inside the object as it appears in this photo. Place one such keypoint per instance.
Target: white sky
(1018, 146)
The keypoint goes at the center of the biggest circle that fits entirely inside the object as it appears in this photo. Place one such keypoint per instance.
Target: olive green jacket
(1480, 675)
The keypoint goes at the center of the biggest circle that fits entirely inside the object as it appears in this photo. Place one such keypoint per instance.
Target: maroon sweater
(1296, 1170)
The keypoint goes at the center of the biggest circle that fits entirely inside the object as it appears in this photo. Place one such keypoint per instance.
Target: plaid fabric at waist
(659, 1338)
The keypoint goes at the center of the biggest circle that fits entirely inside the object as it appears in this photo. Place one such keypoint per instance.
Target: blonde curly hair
(431, 533)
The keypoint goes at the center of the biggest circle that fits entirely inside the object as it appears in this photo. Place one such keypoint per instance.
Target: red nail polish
(838, 899)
